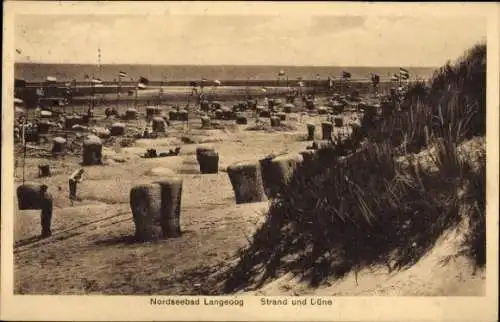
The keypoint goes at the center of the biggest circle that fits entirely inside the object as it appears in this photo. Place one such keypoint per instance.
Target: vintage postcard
(270, 161)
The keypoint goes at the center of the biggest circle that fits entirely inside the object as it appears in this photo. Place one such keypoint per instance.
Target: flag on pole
(403, 73)
(122, 74)
(281, 73)
(97, 82)
(143, 83)
(395, 78)
(346, 74)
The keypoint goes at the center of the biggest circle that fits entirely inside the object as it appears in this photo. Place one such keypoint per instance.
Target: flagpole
(118, 90)
(248, 84)
(277, 84)
(24, 147)
(159, 91)
(135, 102)
(93, 94)
(135, 98)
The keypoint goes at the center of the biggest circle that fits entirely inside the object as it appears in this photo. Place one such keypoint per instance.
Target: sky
(306, 40)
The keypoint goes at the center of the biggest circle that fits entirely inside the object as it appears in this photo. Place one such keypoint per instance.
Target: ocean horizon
(37, 72)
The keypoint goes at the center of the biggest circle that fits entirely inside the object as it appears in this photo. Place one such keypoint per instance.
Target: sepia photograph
(290, 157)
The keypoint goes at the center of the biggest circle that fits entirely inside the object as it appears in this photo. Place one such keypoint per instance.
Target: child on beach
(76, 177)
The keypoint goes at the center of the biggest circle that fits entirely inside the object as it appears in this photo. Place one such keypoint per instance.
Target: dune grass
(385, 204)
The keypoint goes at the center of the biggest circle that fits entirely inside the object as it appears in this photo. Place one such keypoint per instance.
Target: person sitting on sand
(75, 178)
(46, 213)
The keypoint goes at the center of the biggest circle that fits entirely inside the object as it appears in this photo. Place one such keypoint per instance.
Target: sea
(38, 72)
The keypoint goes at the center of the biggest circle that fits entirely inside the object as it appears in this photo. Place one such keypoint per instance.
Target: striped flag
(122, 74)
(403, 73)
(143, 82)
(346, 74)
(395, 78)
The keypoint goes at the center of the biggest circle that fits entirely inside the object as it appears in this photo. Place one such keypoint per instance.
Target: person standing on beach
(74, 179)
(46, 213)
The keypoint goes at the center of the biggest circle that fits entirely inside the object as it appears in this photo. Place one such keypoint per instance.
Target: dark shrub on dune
(382, 205)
